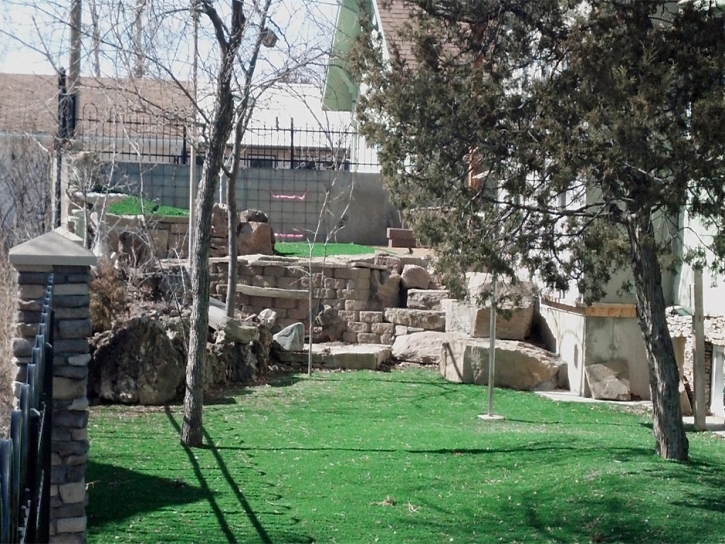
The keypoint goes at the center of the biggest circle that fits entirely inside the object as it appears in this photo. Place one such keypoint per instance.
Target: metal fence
(25, 458)
(139, 138)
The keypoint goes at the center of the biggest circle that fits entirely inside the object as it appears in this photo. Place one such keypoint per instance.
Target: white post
(492, 348)
(491, 355)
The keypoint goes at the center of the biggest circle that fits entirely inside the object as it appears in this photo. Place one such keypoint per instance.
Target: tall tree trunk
(223, 118)
(664, 376)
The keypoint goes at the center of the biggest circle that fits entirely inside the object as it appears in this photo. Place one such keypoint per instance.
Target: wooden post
(699, 367)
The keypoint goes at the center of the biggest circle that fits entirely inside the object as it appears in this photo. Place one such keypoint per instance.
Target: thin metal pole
(698, 320)
(492, 348)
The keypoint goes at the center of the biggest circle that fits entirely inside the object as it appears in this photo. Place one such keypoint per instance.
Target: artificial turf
(358, 457)
(302, 249)
(136, 206)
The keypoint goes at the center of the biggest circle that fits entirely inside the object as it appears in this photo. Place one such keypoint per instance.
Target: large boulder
(609, 380)
(255, 237)
(136, 363)
(419, 347)
(518, 365)
(415, 277)
(475, 321)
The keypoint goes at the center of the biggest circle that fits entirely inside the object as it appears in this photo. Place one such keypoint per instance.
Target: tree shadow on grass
(117, 493)
(262, 533)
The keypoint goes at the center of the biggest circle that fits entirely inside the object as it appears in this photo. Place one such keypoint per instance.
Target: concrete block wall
(292, 198)
(70, 264)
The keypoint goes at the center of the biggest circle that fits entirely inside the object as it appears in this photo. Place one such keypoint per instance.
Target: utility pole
(67, 106)
(139, 66)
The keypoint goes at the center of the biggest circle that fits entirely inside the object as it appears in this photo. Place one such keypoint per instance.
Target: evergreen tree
(493, 114)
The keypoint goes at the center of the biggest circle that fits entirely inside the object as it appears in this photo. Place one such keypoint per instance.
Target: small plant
(108, 296)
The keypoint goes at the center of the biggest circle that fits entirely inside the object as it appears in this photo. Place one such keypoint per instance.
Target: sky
(34, 34)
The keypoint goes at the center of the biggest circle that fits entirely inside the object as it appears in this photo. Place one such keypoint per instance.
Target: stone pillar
(60, 252)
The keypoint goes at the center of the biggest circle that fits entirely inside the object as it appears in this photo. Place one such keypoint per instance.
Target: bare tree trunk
(233, 220)
(221, 128)
(664, 377)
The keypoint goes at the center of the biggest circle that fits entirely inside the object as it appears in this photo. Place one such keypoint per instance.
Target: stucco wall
(563, 332)
(609, 338)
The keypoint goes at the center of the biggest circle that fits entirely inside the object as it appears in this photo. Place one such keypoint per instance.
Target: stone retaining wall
(352, 287)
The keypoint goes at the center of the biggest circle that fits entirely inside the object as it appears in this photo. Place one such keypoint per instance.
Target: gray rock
(268, 318)
(419, 347)
(518, 365)
(609, 381)
(290, 338)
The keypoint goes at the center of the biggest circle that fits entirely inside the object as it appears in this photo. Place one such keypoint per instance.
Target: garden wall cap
(52, 249)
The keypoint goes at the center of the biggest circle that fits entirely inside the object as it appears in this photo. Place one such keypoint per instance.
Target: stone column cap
(51, 249)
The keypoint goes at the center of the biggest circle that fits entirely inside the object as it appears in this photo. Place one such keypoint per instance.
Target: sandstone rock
(220, 221)
(329, 326)
(518, 365)
(609, 381)
(386, 289)
(391, 262)
(427, 299)
(419, 347)
(429, 320)
(475, 321)
(252, 215)
(136, 363)
(290, 338)
(415, 277)
(255, 237)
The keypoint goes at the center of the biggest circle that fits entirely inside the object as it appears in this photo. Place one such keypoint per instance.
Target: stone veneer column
(60, 252)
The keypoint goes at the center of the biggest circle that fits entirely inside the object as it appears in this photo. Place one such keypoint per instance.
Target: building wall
(611, 338)
(564, 332)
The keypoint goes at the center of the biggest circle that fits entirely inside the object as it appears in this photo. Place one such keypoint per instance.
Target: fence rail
(25, 457)
(136, 138)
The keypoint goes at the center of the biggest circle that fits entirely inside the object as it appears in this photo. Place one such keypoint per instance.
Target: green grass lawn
(396, 457)
(135, 206)
(302, 249)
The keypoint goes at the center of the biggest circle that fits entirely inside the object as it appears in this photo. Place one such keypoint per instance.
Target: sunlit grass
(396, 457)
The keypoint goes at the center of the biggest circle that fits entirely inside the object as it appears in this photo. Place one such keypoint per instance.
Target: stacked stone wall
(70, 371)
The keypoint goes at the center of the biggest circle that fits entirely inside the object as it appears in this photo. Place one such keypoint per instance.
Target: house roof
(392, 16)
(29, 103)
